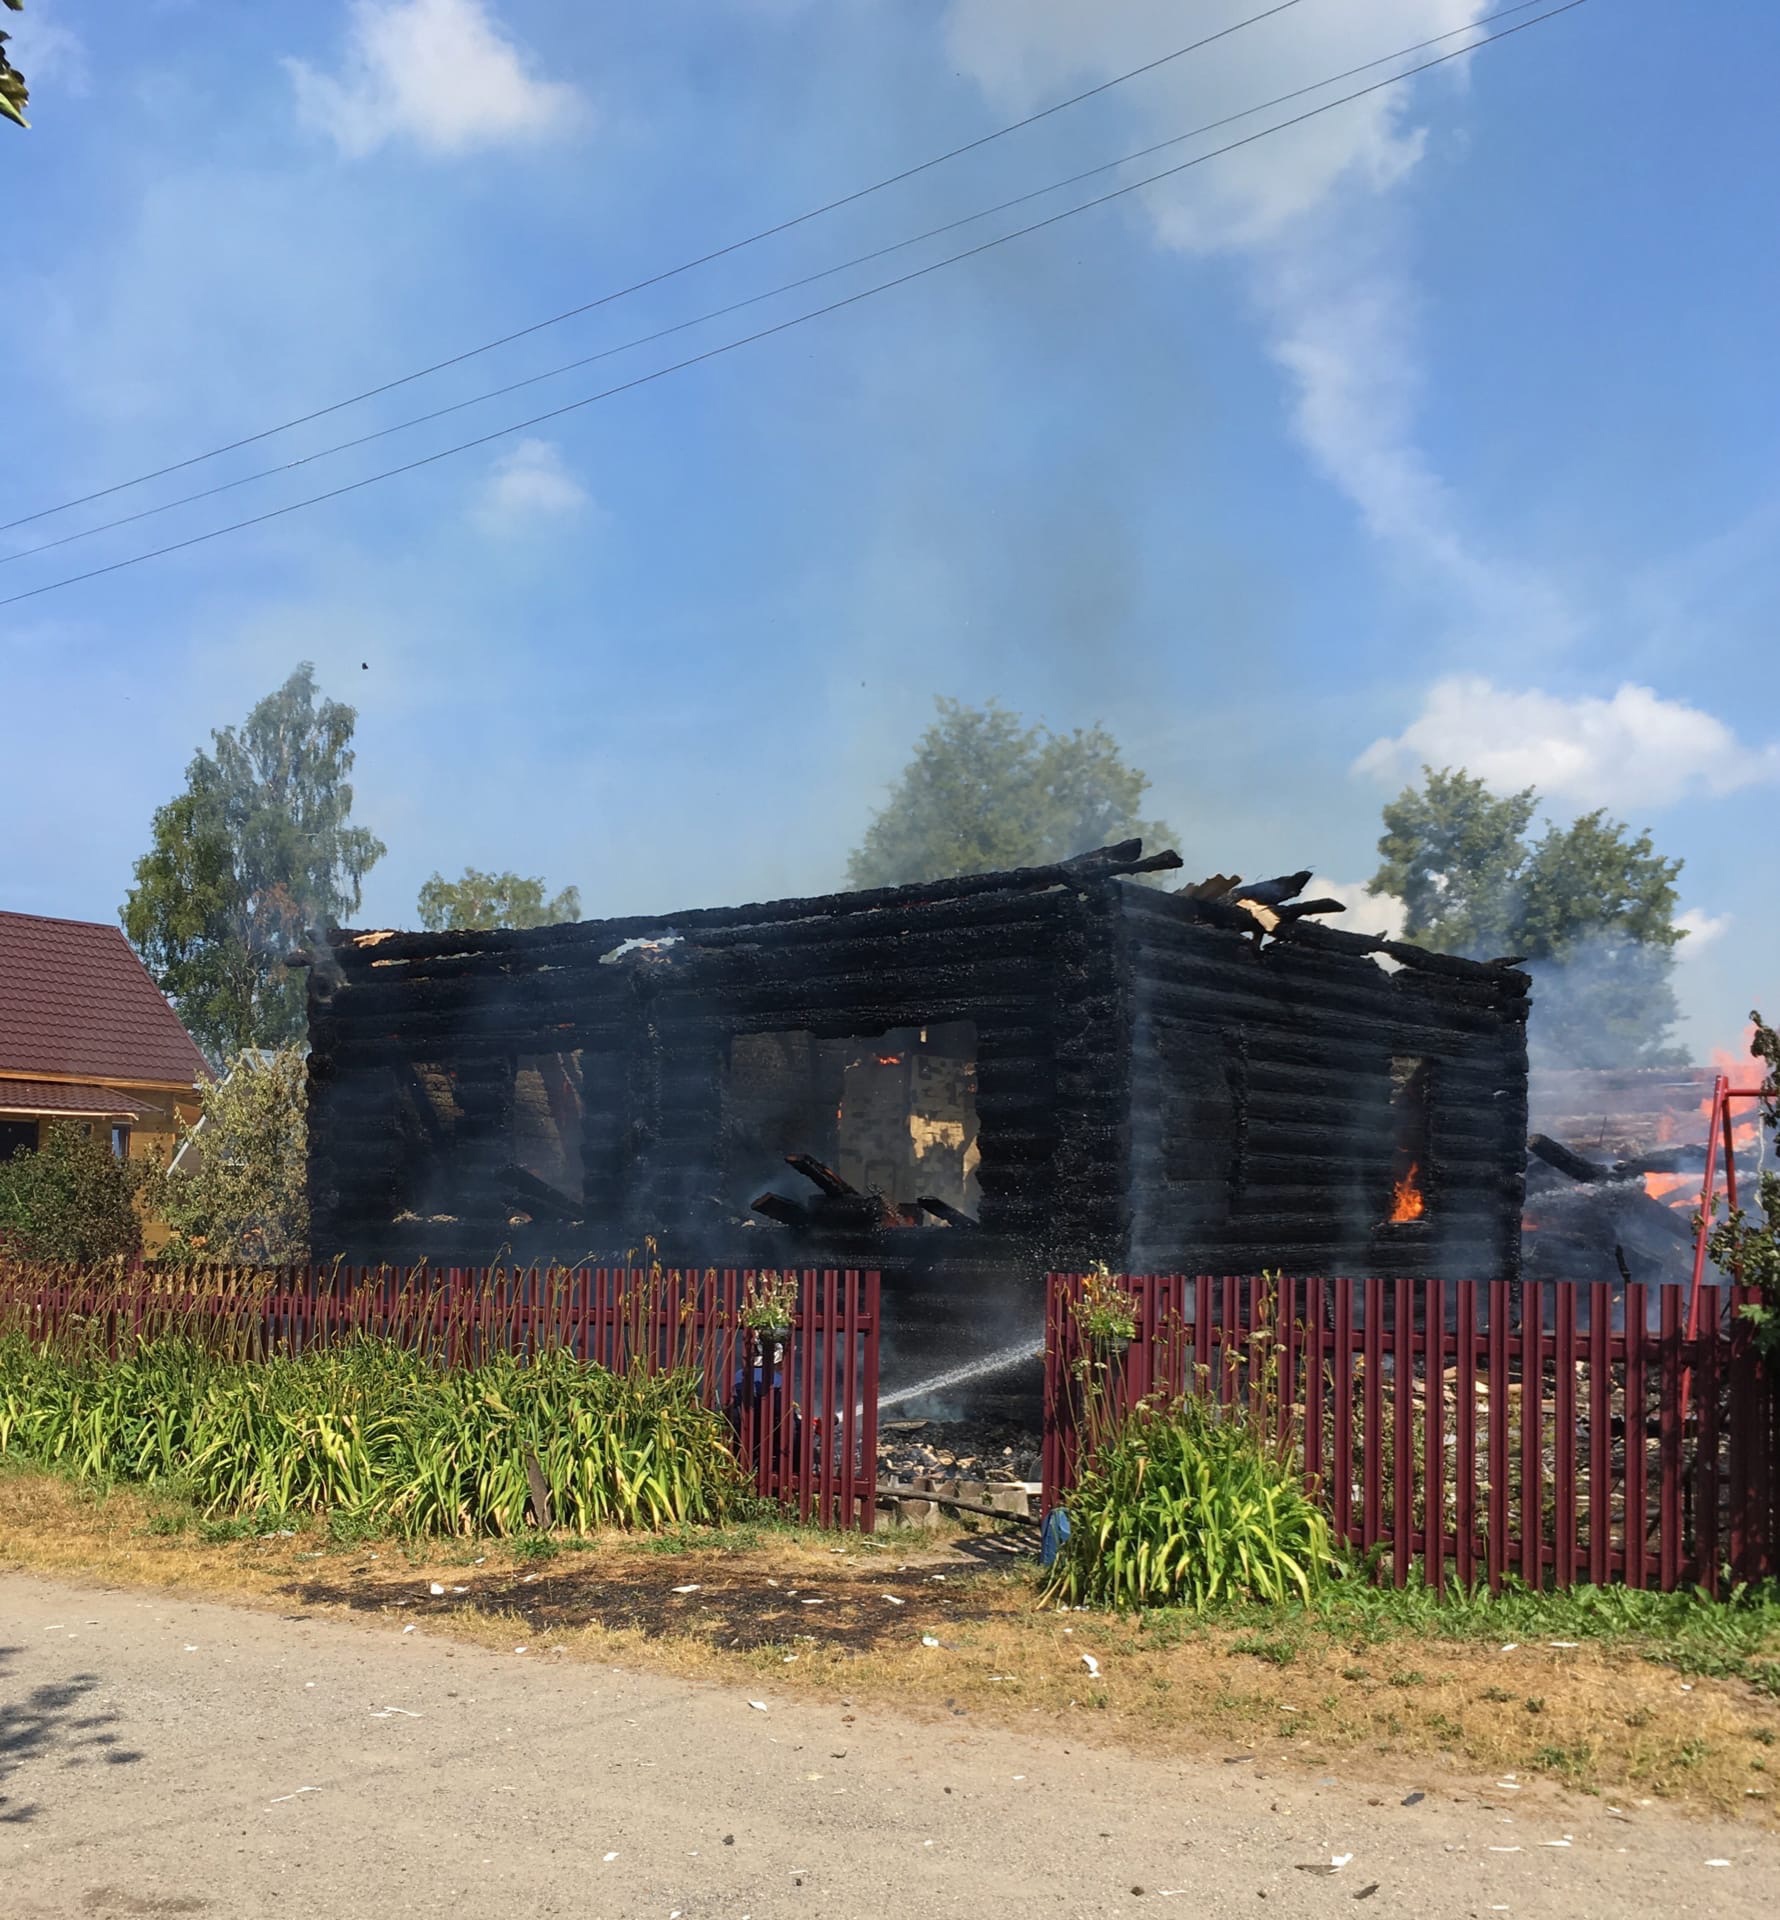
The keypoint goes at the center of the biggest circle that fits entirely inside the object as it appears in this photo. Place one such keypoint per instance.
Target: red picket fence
(1556, 1433)
(805, 1418)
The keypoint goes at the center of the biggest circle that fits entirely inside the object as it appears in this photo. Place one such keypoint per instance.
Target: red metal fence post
(1434, 1434)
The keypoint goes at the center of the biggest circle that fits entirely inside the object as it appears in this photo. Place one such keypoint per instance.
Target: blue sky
(1442, 427)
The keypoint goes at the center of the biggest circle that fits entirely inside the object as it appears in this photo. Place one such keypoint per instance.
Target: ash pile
(1619, 1221)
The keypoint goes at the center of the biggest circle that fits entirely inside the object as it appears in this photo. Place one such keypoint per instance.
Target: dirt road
(159, 1757)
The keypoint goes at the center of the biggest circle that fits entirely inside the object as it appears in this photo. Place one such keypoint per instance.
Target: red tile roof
(75, 999)
(49, 1096)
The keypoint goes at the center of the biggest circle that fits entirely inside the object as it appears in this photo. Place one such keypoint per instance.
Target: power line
(755, 299)
(783, 326)
(668, 273)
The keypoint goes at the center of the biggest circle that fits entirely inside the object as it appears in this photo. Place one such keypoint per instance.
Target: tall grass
(1185, 1505)
(373, 1430)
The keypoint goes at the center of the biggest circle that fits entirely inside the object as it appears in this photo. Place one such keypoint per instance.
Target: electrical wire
(755, 299)
(783, 326)
(667, 273)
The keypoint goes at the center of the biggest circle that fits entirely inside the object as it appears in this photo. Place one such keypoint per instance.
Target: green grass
(374, 1436)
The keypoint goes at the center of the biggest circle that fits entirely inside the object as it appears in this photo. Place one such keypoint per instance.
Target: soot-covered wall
(1110, 1072)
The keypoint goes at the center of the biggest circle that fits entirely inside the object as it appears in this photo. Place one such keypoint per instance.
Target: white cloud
(1702, 929)
(1026, 53)
(1304, 207)
(438, 72)
(529, 484)
(1633, 750)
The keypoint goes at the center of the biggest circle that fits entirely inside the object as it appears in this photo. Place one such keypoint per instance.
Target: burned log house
(1007, 1071)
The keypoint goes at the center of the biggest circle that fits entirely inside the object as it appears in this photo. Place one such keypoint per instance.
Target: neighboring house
(87, 1037)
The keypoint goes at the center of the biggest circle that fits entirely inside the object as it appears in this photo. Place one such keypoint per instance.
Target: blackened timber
(1131, 1053)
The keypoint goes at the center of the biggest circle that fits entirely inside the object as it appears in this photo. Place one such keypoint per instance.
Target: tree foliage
(486, 900)
(13, 91)
(72, 1199)
(1590, 908)
(1746, 1244)
(257, 850)
(985, 791)
(241, 1193)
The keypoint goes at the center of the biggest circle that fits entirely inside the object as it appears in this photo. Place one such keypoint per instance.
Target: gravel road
(162, 1757)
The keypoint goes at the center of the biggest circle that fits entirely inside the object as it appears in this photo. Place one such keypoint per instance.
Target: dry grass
(1602, 1718)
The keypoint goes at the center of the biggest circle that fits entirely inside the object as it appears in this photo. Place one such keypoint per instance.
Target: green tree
(1591, 908)
(72, 1199)
(257, 851)
(486, 900)
(13, 91)
(1746, 1243)
(984, 791)
(240, 1193)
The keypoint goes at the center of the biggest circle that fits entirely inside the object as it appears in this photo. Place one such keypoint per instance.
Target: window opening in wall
(544, 1181)
(120, 1143)
(1409, 1138)
(17, 1136)
(488, 1141)
(884, 1126)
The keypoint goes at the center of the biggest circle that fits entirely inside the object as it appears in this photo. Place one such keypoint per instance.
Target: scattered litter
(292, 1796)
(1556, 1843)
(435, 1589)
(759, 1706)
(610, 1857)
(522, 1649)
(1509, 1786)
(190, 1648)
(57, 1628)
(1285, 1709)
(1504, 1849)
(1718, 1863)
(526, 1579)
(928, 1640)
(936, 1576)
(1090, 1663)
(1339, 1860)
(693, 1588)
(812, 1603)
(1513, 1646)
(1686, 1687)
(1414, 1799)
(388, 1712)
(308, 1683)
(891, 1598)
(1569, 1646)
(410, 1629)
(772, 1583)
(787, 1659)
(460, 1589)
(1019, 1776)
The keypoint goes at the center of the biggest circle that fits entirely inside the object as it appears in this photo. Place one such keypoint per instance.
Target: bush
(373, 1432)
(245, 1197)
(71, 1200)
(1184, 1506)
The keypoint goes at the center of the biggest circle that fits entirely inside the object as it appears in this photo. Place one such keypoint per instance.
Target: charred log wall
(1279, 1089)
(1033, 969)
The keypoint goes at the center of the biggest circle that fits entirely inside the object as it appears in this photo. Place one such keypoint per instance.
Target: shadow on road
(52, 1722)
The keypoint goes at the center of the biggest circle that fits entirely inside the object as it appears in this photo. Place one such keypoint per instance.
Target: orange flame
(1406, 1197)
